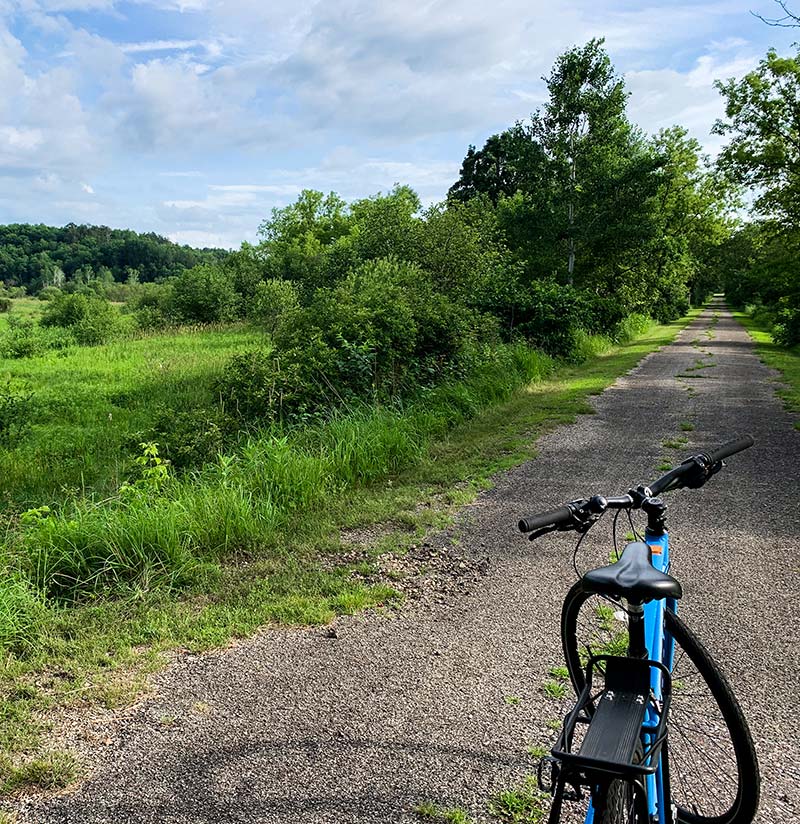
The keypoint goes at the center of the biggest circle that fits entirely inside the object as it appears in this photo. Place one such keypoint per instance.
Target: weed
(664, 466)
(554, 724)
(525, 804)
(51, 771)
(537, 751)
(675, 443)
(429, 811)
(554, 689)
(560, 672)
(511, 700)
(687, 427)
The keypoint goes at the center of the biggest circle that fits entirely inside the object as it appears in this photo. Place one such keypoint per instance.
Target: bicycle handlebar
(693, 472)
(555, 517)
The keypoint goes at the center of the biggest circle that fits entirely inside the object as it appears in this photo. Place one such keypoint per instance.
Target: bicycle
(634, 741)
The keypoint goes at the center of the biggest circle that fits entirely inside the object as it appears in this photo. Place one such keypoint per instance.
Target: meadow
(88, 405)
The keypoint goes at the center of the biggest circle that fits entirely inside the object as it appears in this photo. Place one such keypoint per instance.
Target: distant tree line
(36, 256)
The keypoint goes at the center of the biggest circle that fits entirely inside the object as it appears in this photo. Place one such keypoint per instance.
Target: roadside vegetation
(760, 260)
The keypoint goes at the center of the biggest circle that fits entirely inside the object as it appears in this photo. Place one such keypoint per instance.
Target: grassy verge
(786, 361)
(260, 552)
(86, 404)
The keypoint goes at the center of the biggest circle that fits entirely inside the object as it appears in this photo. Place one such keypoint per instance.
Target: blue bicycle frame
(657, 650)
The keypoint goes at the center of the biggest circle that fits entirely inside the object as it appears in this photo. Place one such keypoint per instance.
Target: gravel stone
(361, 722)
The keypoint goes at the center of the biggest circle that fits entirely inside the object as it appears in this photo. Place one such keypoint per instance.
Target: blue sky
(194, 118)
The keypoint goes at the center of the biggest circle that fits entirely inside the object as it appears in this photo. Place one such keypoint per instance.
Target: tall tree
(763, 111)
(599, 162)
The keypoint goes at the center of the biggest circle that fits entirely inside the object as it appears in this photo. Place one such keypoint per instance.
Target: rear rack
(626, 727)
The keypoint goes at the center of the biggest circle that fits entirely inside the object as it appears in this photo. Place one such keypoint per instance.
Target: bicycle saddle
(633, 577)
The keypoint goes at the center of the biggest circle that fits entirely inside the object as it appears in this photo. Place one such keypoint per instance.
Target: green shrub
(189, 438)
(273, 299)
(204, 294)
(786, 331)
(551, 316)
(90, 318)
(49, 293)
(151, 305)
(16, 408)
(26, 339)
(383, 332)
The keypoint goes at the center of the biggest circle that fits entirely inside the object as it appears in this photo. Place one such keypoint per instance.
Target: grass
(429, 811)
(254, 539)
(524, 804)
(554, 689)
(786, 361)
(89, 403)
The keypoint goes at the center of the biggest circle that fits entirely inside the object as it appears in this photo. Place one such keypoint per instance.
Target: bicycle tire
(620, 805)
(723, 742)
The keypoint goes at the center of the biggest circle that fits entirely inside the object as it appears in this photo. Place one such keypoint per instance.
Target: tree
(763, 111)
(585, 132)
(508, 163)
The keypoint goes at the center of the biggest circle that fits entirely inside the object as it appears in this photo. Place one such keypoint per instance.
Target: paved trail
(296, 726)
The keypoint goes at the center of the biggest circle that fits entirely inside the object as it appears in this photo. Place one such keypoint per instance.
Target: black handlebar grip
(552, 518)
(731, 448)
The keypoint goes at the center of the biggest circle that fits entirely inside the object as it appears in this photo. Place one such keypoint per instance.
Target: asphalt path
(440, 700)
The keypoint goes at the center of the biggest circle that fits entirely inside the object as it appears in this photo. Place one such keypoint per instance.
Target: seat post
(637, 648)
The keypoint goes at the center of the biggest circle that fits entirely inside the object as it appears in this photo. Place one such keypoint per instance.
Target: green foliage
(152, 305)
(91, 319)
(763, 118)
(383, 331)
(24, 338)
(23, 612)
(272, 300)
(16, 410)
(39, 256)
(204, 294)
(49, 293)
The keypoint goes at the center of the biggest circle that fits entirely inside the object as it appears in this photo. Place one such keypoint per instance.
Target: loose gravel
(360, 722)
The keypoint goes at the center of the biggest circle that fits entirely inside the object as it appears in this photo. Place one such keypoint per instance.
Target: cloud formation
(192, 116)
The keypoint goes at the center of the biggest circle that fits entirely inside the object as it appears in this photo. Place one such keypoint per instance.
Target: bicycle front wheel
(710, 759)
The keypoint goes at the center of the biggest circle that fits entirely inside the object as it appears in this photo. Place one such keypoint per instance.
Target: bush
(786, 331)
(91, 319)
(551, 317)
(204, 294)
(151, 305)
(5, 305)
(272, 300)
(381, 333)
(49, 293)
(25, 339)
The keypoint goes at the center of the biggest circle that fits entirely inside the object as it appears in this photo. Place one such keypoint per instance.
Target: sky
(195, 118)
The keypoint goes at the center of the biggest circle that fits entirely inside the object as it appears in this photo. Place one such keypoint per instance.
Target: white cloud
(166, 45)
(665, 97)
(87, 188)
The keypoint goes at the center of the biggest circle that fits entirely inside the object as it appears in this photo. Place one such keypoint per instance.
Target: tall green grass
(89, 403)
(167, 534)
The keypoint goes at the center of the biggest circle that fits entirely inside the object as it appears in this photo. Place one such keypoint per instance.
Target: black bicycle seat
(633, 577)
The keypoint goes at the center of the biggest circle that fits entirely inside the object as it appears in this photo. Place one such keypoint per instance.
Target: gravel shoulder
(438, 701)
